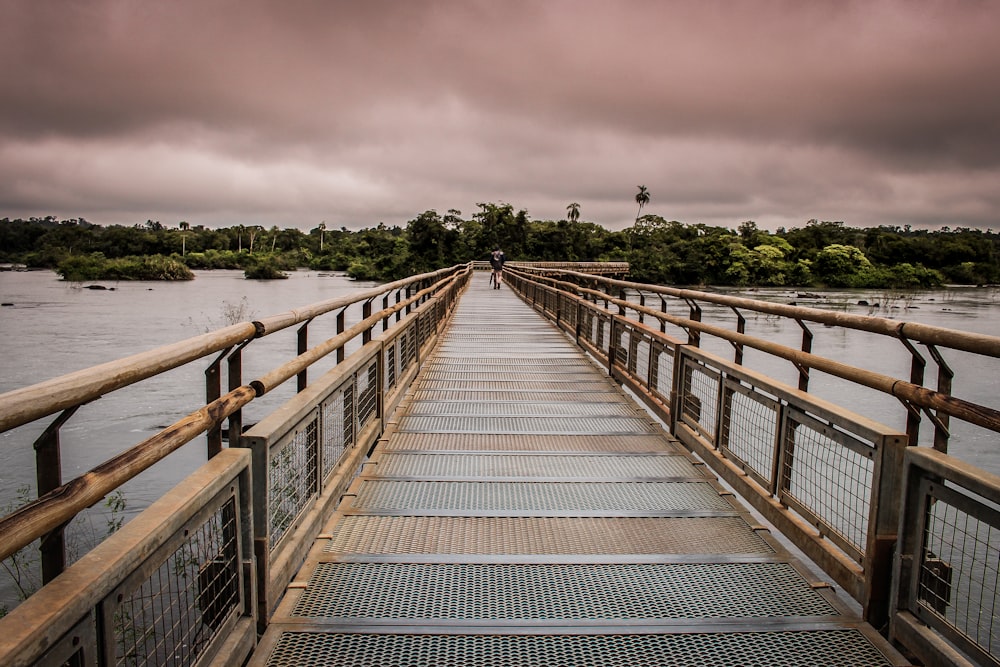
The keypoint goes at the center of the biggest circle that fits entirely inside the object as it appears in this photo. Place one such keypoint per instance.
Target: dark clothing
(497, 260)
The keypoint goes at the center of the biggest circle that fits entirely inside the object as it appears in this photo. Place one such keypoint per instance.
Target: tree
(641, 198)
(322, 233)
(574, 212)
(254, 230)
(184, 227)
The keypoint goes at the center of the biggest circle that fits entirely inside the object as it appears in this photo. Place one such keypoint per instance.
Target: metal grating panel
(472, 442)
(514, 385)
(572, 365)
(521, 408)
(378, 495)
(542, 425)
(563, 591)
(830, 648)
(567, 394)
(372, 534)
(501, 465)
(526, 372)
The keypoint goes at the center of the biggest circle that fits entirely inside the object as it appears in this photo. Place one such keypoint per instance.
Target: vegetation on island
(819, 253)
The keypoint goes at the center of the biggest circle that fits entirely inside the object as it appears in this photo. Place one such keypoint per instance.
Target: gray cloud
(220, 112)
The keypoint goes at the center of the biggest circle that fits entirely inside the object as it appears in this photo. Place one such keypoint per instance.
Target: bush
(267, 269)
(96, 266)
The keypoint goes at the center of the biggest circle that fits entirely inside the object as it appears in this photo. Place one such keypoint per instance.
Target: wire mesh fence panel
(957, 581)
(291, 478)
(698, 397)
(749, 429)
(333, 429)
(828, 475)
(170, 616)
(367, 383)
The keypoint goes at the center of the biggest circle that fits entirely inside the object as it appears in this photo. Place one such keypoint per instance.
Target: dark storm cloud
(358, 112)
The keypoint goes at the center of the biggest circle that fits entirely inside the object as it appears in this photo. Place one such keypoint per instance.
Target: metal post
(340, 330)
(945, 376)
(741, 325)
(303, 345)
(917, 366)
(213, 390)
(235, 372)
(694, 314)
(366, 312)
(807, 338)
(48, 474)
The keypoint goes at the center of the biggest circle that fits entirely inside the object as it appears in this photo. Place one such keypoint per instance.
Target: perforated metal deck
(522, 510)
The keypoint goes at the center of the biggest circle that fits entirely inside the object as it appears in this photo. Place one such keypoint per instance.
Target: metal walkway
(524, 511)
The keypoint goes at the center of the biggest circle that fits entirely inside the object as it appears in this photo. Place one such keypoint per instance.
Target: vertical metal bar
(663, 309)
(622, 295)
(48, 475)
(612, 345)
(945, 377)
(366, 312)
(340, 330)
(694, 314)
(807, 338)
(213, 390)
(303, 345)
(235, 372)
(741, 327)
(385, 306)
(917, 367)
(642, 302)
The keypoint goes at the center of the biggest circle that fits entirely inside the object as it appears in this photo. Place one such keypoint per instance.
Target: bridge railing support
(832, 481)
(947, 578)
(173, 586)
(371, 384)
(306, 453)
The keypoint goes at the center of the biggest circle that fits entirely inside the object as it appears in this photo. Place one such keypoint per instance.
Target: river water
(49, 327)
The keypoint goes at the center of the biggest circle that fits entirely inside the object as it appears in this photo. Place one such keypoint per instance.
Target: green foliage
(96, 266)
(267, 267)
(23, 567)
(658, 250)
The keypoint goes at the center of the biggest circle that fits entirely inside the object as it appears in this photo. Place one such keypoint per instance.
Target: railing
(183, 582)
(948, 568)
(831, 480)
(174, 586)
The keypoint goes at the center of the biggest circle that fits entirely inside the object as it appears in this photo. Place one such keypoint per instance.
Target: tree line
(820, 253)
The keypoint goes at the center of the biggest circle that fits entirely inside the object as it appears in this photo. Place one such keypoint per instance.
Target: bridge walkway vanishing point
(523, 510)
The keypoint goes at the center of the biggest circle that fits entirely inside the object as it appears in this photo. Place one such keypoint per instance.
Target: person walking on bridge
(497, 259)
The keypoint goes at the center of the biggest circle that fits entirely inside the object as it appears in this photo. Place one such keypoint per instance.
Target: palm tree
(641, 198)
(574, 212)
(322, 232)
(184, 227)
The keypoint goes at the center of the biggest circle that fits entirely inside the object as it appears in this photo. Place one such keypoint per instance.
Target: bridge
(556, 472)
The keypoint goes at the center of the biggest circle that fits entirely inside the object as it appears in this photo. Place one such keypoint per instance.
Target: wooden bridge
(530, 476)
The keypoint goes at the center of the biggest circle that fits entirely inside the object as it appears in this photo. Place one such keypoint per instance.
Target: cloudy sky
(290, 113)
